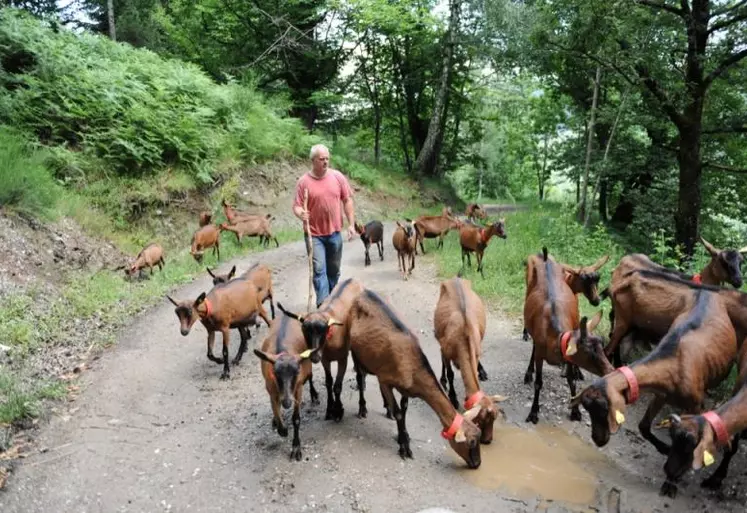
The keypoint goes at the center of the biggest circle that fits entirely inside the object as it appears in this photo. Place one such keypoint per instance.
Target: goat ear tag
(572, 348)
(619, 417)
(708, 458)
(305, 354)
(459, 437)
(332, 321)
(664, 424)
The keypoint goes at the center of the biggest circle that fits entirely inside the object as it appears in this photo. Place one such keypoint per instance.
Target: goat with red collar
(235, 304)
(551, 318)
(695, 354)
(475, 239)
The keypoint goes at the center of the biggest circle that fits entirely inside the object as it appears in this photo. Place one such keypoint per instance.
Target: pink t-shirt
(325, 197)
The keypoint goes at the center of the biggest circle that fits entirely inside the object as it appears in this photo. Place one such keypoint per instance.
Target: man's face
(321, 162)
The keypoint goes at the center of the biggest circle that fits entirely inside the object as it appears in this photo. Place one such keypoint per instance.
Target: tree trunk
(688, 204)
(427, 160)
(603, 202)
(110, 19)
(590, 139)
(543, 169)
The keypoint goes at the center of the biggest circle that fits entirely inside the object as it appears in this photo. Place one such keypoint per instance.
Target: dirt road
(156, 430)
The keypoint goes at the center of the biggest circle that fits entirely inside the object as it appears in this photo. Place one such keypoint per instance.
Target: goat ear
(170, 299)
(232, 273)
(200, 299)
(583, 325)
(264, 356)
(472, 413)
(460, 437)
(594, 322)
(210, 272)
(498, 398)
(599, 263)
(399, 224)
(709, 247)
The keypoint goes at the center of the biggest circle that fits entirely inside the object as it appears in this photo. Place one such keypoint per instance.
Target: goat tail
(544, 253)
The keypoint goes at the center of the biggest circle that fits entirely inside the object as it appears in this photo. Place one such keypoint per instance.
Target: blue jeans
(326, 259)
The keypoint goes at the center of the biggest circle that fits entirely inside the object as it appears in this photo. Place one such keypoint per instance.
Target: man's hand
(351, 232)
(304, 215)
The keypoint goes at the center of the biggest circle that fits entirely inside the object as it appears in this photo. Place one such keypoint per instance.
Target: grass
(21, 401)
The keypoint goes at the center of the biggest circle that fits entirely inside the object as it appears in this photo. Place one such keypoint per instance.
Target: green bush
(25, 182)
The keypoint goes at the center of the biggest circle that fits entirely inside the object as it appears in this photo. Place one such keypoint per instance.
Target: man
(328, 189)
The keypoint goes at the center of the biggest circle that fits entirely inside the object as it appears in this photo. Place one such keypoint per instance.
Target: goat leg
(403, 437)
(644, 426)
(338, 411)
(328, 384)
(452, 392)
(272, 306)
(571, 379)
(534, 413)
(386, 404)
(277, 418)
(444, 364)
(479, 263)
(210, 345)
(360, 379)
(312, 391)
(714, 481)
(528, 377)
(380, 245)
(226, 340)
(481, 372)
(296, 447)
(245, 336)
(263, 313)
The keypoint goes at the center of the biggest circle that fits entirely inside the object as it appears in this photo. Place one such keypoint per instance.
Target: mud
(155, 430)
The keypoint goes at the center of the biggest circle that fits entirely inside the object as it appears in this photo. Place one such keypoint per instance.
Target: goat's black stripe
(552, 296)
(282, 333)
(462, 300)
(338, 292)
(376, 299)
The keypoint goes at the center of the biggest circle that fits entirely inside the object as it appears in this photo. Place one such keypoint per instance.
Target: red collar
(482, 235)
(330, 332)
(633, 388)
(450, 433)
(717, 423)
(697, 279)
(208, 308)
(564, 339)
(473, 399)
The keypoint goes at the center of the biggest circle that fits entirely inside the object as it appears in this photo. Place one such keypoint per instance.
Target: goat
(258, 226)
(382, 345)
(259, 274)
(475, 211)
(234, 216)
(459, 326)
(696, 438)
(474, 238)
(150, 256)
(558, 337)
(205, 237)
(404, 241)
(372, 233)
(723, 267)
(286, 366)
(319, 329)
(430, 227)
(205, 218)
(230, 305)
(696, 353)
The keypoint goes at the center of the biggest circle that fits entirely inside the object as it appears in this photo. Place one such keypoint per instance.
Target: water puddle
(543, 461)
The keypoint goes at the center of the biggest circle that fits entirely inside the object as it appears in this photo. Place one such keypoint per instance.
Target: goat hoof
(283, 431)
(296, 453)
(533, 418)
(389, 414)
(235, 361)
(579, 375)
(225, 376)
(405, 452)
(712, 483)
(362, 413)
(482, 375)
(576, 415)
(668, 489)
(528, 378)
(315, 399)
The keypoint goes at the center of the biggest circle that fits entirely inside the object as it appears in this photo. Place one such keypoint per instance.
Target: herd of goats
(692, 326)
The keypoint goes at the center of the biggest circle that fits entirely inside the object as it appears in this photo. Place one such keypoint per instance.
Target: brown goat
(475, 211)
(459, 326)
(372, 233)
(205, 237)
(205, 218)
(558, 337)
(259, 274)
(320, 328)
(258, 226)
(234, 216)
(234, 304)
(696, 438)
(430, 227)
(286, 366)
(695, 354)
(382, 345)
(150, 256)
(474, 238)
(404, 241)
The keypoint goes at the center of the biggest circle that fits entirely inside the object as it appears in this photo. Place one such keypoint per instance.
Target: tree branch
(725, 169)
(728, 9)
(653, 86)
(663, 6)
(725, 64)
(727, 23)
(740, 128)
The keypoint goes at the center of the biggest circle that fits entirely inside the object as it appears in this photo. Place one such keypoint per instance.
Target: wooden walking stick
(310, 248)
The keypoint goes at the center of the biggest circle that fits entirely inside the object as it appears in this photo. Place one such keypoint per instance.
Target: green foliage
(129, 110)
(25, 182)
(21, 401)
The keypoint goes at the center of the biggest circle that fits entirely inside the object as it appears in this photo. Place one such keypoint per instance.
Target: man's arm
(298, 210)
(349, 211)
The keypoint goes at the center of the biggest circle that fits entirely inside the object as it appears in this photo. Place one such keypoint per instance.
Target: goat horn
(498, 398)
(472, 412)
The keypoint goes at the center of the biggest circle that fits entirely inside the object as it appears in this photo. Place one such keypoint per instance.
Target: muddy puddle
(543, 461)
